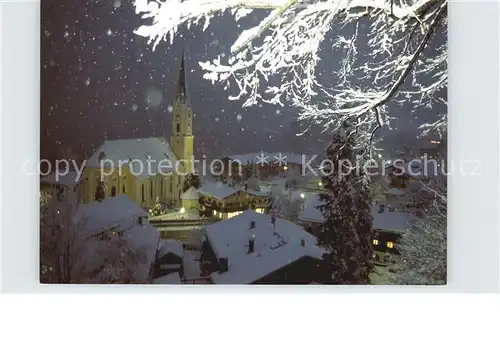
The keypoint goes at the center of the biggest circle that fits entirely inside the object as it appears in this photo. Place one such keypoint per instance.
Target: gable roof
(272, 249)
(115, 211)
(136, 152)
(395, 221)
(218, 190)
(170, 246)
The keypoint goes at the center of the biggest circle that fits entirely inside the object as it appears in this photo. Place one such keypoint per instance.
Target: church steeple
(182, 85)
(181, 140)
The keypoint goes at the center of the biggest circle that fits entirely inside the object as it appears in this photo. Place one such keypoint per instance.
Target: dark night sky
(96, 76)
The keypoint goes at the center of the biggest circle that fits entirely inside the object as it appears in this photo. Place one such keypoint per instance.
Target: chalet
(388, 224)
(169, 258)
(226, 200)
(254, 248)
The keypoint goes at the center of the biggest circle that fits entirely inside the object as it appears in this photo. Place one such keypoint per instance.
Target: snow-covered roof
(395, 221)
(143, 239)
(419, 168)
(170, 246)
(273, 157)
(97, 217)
(172, 278)
(136, 152)
(190, 194)
(395, 191)
(272, 249)
(218, 190)
(70, 179)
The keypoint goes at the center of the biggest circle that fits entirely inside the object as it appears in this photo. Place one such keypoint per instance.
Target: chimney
(223, 265)
(251, 244)
(382, 208)
(302, 242)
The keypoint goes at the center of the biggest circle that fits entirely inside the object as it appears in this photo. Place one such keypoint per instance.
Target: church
(146, 168)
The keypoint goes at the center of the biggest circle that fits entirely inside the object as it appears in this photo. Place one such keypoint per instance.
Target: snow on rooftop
(69, 179)
(419, 168)
(136, 152)
(190, 194)
(191, 264)
(170, 246)
(395, 221)
(97, 217)
(273, 249)
(172, 278)
(143, 239)
(218, 190)
(395, 191)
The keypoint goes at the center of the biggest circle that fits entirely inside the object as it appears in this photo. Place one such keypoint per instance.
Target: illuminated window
(375, 242)
(390, 244)
(215, 213)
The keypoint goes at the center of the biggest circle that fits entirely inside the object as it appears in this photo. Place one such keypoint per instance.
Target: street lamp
(302, 195)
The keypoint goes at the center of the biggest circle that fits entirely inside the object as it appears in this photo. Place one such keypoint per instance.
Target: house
(225, 201)
(123, 221)
(402, 174)
(169, 258)
(146, 168)
(250, 249)
(60, 186)
(388, 223)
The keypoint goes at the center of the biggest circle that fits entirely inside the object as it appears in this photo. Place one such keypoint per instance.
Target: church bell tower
(181, 140)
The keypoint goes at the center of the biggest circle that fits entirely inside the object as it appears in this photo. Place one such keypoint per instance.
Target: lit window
(390, 244)
(375, 242)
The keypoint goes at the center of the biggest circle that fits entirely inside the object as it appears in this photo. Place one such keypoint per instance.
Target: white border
(473, 96)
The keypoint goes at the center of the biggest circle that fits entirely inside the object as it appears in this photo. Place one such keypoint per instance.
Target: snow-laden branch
(378, 44)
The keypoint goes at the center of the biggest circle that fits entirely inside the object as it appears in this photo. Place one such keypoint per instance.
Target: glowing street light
(182, 210)
(302, 195)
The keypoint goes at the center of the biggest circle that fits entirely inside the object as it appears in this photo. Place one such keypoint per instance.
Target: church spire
(182, 86)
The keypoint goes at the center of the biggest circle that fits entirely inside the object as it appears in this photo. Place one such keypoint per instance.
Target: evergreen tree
(100, 191)
(157, 208)
(346, 207)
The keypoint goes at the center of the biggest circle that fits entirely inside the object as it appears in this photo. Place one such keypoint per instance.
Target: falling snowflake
(153, 97)
(134, 107)
(109, 32)
(170, 108)
(239, 117)
(66, 34)
(278, 112)
(117, 4)
(216, 119)
(87, 82)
